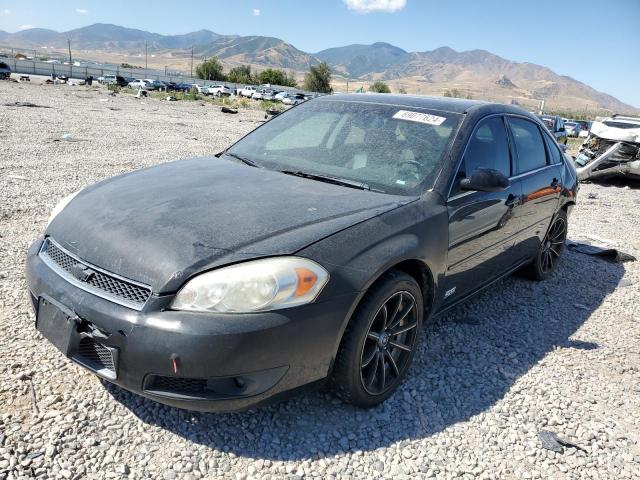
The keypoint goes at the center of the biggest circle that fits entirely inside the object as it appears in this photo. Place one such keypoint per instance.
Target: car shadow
(468, 359)
(619, 182)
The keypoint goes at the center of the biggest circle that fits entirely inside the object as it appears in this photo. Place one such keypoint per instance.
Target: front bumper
(207, 362)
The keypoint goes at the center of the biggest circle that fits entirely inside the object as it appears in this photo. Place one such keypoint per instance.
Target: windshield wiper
(242, 159)
(345, 182)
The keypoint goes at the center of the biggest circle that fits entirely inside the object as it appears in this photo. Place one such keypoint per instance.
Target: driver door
(482, 225)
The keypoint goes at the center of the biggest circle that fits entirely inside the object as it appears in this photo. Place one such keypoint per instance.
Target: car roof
(454, 105)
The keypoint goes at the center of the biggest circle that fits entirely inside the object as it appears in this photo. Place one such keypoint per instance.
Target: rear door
(539, 170)
(482, 225)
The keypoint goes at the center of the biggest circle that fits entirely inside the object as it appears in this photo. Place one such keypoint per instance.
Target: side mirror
(485, 180)
(563, 147)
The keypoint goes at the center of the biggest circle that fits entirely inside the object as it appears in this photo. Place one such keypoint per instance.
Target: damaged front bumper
(608, 152)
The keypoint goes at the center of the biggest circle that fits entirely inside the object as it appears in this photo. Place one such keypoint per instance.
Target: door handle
(555, 183)
(512, 201)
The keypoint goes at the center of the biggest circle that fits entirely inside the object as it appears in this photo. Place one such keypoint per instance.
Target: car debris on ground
(551, 441)
(611, 149)
(609, 254)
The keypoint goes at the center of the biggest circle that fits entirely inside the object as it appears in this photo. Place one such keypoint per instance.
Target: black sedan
(312, 250)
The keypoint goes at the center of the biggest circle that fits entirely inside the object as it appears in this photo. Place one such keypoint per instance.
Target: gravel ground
(563, 355)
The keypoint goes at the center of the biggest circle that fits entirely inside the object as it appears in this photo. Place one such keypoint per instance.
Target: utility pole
(70, 61)
(191, 61)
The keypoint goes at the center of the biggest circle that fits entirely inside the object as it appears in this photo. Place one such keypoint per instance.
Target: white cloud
(368, 6)
(82, 11)
(255, 12)
(6, 12)
(26, 26)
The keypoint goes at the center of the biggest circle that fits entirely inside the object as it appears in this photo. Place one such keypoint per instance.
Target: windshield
(389, 148)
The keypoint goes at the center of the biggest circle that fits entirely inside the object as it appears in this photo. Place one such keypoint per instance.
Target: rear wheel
(550, 249)
(380, 341)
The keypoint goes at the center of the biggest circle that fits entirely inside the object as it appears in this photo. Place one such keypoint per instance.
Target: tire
(369, 343)
(550, 249)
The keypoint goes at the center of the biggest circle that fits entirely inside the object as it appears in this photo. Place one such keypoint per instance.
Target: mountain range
(475, 73)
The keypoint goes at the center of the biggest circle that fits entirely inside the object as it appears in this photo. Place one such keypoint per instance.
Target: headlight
(259, 285)
(60, 206)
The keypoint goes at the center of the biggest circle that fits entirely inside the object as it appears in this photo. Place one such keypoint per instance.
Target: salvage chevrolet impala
(313, 250)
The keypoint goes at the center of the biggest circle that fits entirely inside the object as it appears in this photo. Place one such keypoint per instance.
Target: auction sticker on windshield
(419, 117)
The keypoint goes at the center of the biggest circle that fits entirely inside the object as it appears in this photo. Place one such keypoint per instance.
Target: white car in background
(201, 89)
(280, 96)
(248, 91)
(219, 91)
(138, 83)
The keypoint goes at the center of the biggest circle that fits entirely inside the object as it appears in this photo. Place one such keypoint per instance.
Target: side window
(529, 145)
(554, 153)
(488, 148)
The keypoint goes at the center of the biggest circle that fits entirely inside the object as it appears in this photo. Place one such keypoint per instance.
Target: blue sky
(593, 41)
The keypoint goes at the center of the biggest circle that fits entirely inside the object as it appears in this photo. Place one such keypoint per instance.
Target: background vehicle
(115, 80)
(183, 87)
(555, 125)
(572, 128)
(156, 85)
(139, 84)
(269, 94)
(280, 95)
(611, 149)
(5, 71)
(293, 98)
(248, 91)
(200, 88)
(585, 126)
(219, 90)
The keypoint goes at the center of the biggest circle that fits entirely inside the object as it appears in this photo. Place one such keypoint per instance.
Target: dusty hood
(160, 225)
(616, 134)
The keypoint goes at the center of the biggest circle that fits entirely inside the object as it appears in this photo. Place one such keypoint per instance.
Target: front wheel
(550, 249)
(379, 343)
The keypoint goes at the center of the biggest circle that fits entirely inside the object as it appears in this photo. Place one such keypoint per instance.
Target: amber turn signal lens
(306, 280)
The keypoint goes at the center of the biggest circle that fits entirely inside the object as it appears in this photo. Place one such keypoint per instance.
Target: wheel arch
(415, 268)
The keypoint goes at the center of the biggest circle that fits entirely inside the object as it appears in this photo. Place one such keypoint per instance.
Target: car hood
(161, 225)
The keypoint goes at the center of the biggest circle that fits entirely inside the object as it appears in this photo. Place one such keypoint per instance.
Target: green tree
(276, 77)
(318, 79)
(210, 70)
(379, 87)
(454, 92)
(241, 74)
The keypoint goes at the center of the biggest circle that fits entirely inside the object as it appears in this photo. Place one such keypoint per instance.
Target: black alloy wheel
(380, 341)
(550, 249)
(552, 244)
(389, 343)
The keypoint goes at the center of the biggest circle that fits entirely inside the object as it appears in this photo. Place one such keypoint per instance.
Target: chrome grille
(99, 282)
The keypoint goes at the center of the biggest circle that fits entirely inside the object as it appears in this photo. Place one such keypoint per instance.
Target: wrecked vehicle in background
(611, 149)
